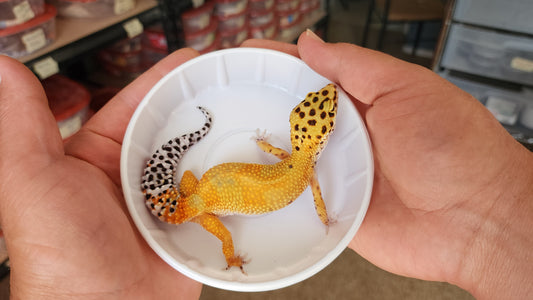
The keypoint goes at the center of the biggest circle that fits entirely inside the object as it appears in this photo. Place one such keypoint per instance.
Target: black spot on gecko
(331, 114)
(311, 122)
(312, 112)
(318, 136)
(304, 129)
(325, 92)
(290, 166)
(324, 129)
(307, 104)
(297, 148)
(315, 99)
(296, 127)
(302, 114)
(297, 110)
(184, 147)
(170, 155)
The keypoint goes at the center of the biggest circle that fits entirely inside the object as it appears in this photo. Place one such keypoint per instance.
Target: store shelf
(74, 37)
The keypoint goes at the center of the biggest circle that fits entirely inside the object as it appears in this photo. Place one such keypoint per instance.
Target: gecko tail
(158, 176)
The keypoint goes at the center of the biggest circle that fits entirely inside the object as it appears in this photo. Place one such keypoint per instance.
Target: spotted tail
(158, 184)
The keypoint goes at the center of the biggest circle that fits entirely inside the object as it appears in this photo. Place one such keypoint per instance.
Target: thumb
(28, 130)
(363, 73)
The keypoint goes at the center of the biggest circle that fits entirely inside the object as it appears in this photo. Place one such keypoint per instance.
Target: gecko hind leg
(213, 224)
(320, 206)
(188, 184)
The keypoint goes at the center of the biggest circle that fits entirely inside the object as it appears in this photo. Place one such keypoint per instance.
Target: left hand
(62, 211)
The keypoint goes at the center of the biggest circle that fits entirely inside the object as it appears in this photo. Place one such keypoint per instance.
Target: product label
(23, 12)
(522, 64)
(46, 67)
(122, 6)
(34, 40)
(133, 27)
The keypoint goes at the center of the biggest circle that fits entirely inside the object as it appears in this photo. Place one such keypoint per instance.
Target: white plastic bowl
(247, 89)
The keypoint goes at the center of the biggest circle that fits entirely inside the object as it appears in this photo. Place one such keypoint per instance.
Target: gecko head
(313, 120)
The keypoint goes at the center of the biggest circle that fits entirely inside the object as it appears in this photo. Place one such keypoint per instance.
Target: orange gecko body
(243, 188)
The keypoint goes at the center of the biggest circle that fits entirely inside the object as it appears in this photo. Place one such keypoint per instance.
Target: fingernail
(313, 35)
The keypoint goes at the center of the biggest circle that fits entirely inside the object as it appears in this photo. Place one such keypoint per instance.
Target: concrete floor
(349, 276)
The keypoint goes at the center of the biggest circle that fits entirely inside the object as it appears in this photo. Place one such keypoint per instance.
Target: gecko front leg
(320, 206)
(260, 140)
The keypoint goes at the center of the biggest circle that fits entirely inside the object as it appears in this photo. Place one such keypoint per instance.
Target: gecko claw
(237, 261)
(261, 136)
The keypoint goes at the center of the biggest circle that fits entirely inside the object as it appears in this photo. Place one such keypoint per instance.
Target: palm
(64, 213)
(434, 149)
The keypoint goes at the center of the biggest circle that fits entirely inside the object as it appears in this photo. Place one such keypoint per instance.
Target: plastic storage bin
(26, 38)
(514, 15)
(260, 5)
(266, 31)
(202, 39)
(489, 53)
(69, 102)
(15, 12)
(288, 18)
(287, 5)
(506, 105)
(92, 8)
(232, 21)
(199, 18)
(291, 30)
(230, 7)
(261, 17)
(233, 38)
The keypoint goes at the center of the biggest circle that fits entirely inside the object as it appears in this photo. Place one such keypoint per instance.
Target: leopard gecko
(242, 188)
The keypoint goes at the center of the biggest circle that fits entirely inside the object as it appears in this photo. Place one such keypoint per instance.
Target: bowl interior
(248, 91)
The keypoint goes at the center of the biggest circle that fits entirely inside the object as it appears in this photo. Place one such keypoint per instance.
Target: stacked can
(25, 26)
(263, 19)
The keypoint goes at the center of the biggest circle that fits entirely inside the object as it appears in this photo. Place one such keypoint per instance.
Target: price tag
(522, 64)
(23, 12)
(34, 40)
(46, 67)
(133, 27)
(122, 6)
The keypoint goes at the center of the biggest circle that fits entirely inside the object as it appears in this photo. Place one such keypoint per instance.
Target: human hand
(452, 191)
(66, 225)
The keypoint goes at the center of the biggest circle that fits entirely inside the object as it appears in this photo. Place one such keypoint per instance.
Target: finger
(274, 45)
(364, 73)
(100, 140)
(28, 130)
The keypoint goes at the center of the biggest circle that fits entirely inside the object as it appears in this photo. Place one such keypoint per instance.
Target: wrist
(498, 256)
